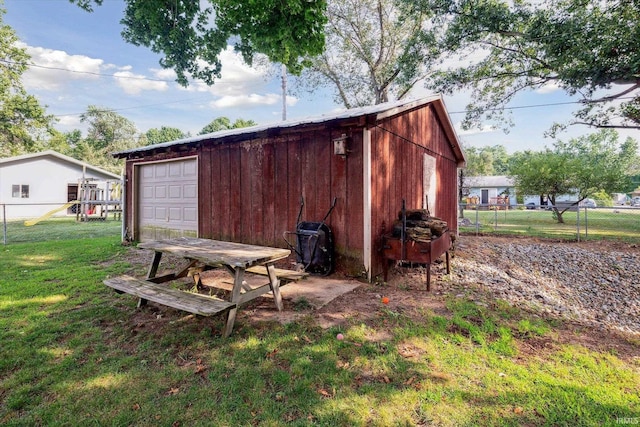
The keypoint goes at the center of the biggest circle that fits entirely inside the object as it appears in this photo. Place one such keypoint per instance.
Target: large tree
(580, 167)
(588, 48)
(23, 121)
(108, 132)
(191, 35)
(375, 52)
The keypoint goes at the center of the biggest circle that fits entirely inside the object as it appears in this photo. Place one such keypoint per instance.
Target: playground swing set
(95, 200)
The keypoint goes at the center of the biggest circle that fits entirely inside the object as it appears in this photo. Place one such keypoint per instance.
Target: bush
(602, 199)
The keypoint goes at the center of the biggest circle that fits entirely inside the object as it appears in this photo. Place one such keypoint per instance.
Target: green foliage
(581, 166)
(490, 160)
(23, 121)
(191, 36)
(602, 198)
(581, 46)
(164, 134)
(223, 123)
(108, 132)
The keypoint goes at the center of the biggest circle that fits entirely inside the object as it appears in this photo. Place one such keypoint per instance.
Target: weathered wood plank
(282, 274)
(214, 252)
(162, 294)
(268, 194)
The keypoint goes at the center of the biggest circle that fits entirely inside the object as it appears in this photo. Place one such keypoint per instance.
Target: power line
(133, 108)
(86, 72)
(520, 107)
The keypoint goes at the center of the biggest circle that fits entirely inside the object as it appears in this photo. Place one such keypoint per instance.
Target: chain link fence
(575, 223)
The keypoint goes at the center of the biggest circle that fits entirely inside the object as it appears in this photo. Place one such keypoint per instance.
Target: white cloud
(237, 79)
(53, 68)
(71, 122)
(163, 73)
(474, 131)
(548, 88)
(133, 84)
(246, 100)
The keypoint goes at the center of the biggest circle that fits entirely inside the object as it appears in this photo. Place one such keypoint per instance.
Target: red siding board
(281, 191)
(214, 196)
(235, 194)
(294, 182)
(268, 194)
(322, 182)
(355, 206)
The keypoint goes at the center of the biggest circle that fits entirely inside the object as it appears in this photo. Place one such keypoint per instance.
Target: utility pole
(284, 92)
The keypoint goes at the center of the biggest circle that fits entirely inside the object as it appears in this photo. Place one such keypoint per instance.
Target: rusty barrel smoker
(398, 247)
(314, 245)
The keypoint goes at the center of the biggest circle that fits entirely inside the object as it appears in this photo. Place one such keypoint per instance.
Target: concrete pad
(315, 290)
(318, 291)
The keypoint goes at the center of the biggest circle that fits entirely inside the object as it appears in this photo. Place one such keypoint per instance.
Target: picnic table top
(217, 252)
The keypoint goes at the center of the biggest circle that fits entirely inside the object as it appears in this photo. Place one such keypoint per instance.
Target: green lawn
(72, 352)
(600, 223)
(58, 229)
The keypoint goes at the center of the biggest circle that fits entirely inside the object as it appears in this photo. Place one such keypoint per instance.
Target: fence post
(4, 224)
(586, 224)
(495, 216)
(578, 223)
(477, 223)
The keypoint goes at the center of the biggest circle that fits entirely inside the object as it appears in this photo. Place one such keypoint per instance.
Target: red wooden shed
(245, 185)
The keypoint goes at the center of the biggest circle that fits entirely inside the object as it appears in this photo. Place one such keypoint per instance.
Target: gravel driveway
(597, 283)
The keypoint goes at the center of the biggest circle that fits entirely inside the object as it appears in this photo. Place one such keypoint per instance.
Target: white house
(34, 184)
(490, 189)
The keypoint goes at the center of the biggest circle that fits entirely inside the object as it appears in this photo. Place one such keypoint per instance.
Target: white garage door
(168, 199)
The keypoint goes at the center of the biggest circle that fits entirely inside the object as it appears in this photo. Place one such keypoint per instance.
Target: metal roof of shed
(380, 111)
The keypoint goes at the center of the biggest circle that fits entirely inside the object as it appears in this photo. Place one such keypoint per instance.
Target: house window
(20, 191)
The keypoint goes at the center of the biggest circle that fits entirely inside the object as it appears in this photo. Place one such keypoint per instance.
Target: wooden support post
(274, 283)
(151, 274)
(235, 297)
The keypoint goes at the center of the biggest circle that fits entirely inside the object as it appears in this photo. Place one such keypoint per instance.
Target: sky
(80, 59)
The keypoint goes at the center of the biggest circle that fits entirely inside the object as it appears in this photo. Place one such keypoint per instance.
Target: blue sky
(110, 73)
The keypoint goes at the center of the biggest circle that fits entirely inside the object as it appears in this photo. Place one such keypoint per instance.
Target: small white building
(33, 184)
(492, 190)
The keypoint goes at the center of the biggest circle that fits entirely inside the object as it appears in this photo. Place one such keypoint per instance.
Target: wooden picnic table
(202, 255)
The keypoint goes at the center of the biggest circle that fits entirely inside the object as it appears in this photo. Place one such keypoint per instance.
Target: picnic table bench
(202, 255)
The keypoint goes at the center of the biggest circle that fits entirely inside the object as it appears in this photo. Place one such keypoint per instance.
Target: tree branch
(612, 97)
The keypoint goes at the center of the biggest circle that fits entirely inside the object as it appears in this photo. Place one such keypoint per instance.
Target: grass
(74, 353)
(58, 229)
(605, 223)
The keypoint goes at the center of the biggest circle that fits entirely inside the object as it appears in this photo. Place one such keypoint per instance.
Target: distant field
(599, 223)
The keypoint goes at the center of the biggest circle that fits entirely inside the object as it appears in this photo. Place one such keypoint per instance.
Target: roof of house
(379, 112)
(55, 154)
(489, 181)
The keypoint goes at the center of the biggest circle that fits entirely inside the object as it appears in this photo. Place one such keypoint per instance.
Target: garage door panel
(160, 192)
(168, 199)
(160, 170)
(175, 191)
(175, 170)
(190, 191)
(190, 215)
(160, 214)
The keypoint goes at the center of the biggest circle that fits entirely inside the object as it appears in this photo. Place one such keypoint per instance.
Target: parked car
(635, 201)
(589, 203)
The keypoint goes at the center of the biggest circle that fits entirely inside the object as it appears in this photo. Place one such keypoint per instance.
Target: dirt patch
(407, 295)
